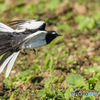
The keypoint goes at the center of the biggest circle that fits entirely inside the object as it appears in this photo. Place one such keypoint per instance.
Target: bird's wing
(5, 42)
(11, 48)
(5, 28)
(13, 42)
(23, 25)
(30, 36)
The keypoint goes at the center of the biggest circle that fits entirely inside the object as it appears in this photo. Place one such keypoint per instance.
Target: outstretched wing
(23, 25)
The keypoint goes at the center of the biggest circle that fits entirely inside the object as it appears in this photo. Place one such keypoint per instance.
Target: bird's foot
(24, 52)
(34, 51)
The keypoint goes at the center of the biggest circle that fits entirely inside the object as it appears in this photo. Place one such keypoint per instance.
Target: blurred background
(69, 63)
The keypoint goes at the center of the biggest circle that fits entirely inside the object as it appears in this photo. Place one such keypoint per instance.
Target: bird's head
(51, 35)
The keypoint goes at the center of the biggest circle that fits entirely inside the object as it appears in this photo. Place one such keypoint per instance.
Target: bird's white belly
(34, 43)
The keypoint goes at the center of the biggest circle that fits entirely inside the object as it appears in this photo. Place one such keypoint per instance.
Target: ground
(70, 63)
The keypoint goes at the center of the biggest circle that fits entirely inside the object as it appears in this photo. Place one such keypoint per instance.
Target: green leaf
(81, 83)
(84, 22)
(50, 80)
(37, 67)
(88, 98)
(90, 23)
(67, 93)
(28, 78)
(73, 78)
(2, 6)
(50, 64)
(97, 87)
(47, 60)
(59, 93)
(79, 18)
(52, 4)
(25, 73)
(41, 94)
(97, 16)
(87, 23)
(64, 27)
(11, 97)
(47, 84)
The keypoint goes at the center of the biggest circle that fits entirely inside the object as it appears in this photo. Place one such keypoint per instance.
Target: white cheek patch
(53, 33)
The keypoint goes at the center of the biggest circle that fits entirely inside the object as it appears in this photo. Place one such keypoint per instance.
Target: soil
(82, 40)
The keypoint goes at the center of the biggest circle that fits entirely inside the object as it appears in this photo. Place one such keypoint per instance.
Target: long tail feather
(5, 57)
(5, 63)
(4, 51)
(10, 65)
(6, 43)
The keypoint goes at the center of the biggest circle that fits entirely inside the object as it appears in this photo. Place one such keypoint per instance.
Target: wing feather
(5, 28)
(23, 25)
(28, 38)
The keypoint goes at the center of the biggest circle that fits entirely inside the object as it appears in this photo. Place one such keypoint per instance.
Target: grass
(70, 63)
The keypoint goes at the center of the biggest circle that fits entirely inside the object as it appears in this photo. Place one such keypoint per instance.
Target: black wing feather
(16, 23)
(5, 57)
(5, 42)
(8, 43)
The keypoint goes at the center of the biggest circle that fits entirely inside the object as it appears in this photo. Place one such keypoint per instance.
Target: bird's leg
(34, 51)
(24, 52)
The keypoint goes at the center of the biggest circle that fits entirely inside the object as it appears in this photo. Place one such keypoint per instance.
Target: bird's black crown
(51, 35)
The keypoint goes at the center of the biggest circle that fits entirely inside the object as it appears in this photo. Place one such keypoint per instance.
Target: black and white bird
(28, 34)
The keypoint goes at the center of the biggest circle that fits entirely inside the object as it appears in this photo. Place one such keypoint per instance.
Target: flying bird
(27, 34)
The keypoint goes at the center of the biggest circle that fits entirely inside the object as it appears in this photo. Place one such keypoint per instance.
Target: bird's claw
(24, 52)
(34, 51)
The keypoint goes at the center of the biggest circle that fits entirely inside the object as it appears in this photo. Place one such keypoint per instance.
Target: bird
(25, 34)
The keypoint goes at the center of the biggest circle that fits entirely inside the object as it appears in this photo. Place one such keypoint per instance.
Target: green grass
(63, 66)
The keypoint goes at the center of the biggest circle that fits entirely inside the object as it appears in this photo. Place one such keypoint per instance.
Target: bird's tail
(8, 59)
(9, 56)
